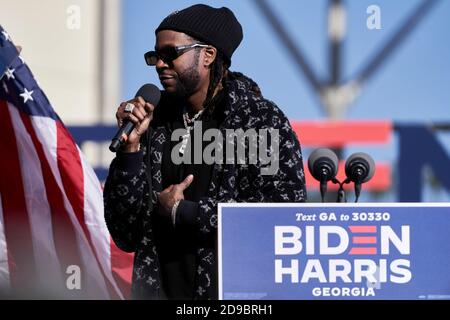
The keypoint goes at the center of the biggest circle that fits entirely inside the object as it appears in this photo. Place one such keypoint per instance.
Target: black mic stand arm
(341, 197)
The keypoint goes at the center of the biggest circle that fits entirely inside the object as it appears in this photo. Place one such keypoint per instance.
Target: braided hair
(217, 76)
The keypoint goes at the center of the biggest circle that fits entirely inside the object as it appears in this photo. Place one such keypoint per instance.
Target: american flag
(53, 237)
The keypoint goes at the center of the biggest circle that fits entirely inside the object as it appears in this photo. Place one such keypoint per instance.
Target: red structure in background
(340, 134)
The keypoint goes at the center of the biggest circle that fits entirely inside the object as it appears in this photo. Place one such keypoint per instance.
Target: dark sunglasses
(169, 54)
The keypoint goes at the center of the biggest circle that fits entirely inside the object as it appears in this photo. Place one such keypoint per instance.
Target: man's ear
(210, 56)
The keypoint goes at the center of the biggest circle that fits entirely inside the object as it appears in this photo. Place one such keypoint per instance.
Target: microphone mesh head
(363, 159)
(322, 155)
(150, 93)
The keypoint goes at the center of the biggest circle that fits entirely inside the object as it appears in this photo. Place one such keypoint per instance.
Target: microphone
(151, 94)
(359, 168)
(323, 166)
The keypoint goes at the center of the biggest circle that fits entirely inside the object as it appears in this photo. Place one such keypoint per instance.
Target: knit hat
(217, 27)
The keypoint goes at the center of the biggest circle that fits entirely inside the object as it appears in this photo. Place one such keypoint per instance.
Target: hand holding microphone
(134, 117)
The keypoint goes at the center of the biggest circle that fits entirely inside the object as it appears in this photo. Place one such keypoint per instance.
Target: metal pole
(292, 47)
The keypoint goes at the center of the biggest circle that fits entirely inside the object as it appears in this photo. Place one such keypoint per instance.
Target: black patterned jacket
(128, 206)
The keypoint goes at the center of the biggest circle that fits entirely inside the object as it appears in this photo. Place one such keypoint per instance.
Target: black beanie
(217, 27)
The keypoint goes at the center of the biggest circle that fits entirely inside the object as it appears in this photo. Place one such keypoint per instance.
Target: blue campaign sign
(334, 251)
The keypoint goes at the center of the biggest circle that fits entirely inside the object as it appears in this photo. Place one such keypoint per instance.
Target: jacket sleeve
(284, 181)
(123, 197)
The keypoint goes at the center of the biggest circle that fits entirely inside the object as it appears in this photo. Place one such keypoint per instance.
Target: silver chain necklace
(189, 125)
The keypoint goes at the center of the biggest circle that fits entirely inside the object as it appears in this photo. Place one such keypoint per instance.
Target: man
(166, 212)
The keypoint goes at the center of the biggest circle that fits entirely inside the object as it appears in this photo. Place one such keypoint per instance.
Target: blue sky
(414, 84)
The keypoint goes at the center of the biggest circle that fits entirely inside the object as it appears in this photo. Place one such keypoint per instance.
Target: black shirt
(177, 244)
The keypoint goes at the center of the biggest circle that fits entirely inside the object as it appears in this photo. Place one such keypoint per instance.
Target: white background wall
(63, 43)
(73, 49)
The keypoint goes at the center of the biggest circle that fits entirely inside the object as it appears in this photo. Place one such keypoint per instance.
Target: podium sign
(334, 251)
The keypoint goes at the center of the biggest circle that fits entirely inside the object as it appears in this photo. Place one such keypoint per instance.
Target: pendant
(184, 143)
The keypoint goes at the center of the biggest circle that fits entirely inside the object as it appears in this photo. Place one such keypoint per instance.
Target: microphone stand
(341, 197)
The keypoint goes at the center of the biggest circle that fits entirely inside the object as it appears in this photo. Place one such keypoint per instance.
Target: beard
(188, 80)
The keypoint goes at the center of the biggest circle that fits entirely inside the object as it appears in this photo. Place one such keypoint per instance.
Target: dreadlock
(217, 75)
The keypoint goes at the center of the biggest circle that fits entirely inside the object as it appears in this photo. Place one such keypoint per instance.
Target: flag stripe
(93, 285)
(15, 218)
(4, 268)
(95, 281)
(63, 232)
(39, 213)
(122, 267)
(45, 131)
(71, 171)
(93, 212)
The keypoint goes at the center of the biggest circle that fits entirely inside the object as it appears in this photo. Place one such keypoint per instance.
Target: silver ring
(129, 108)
